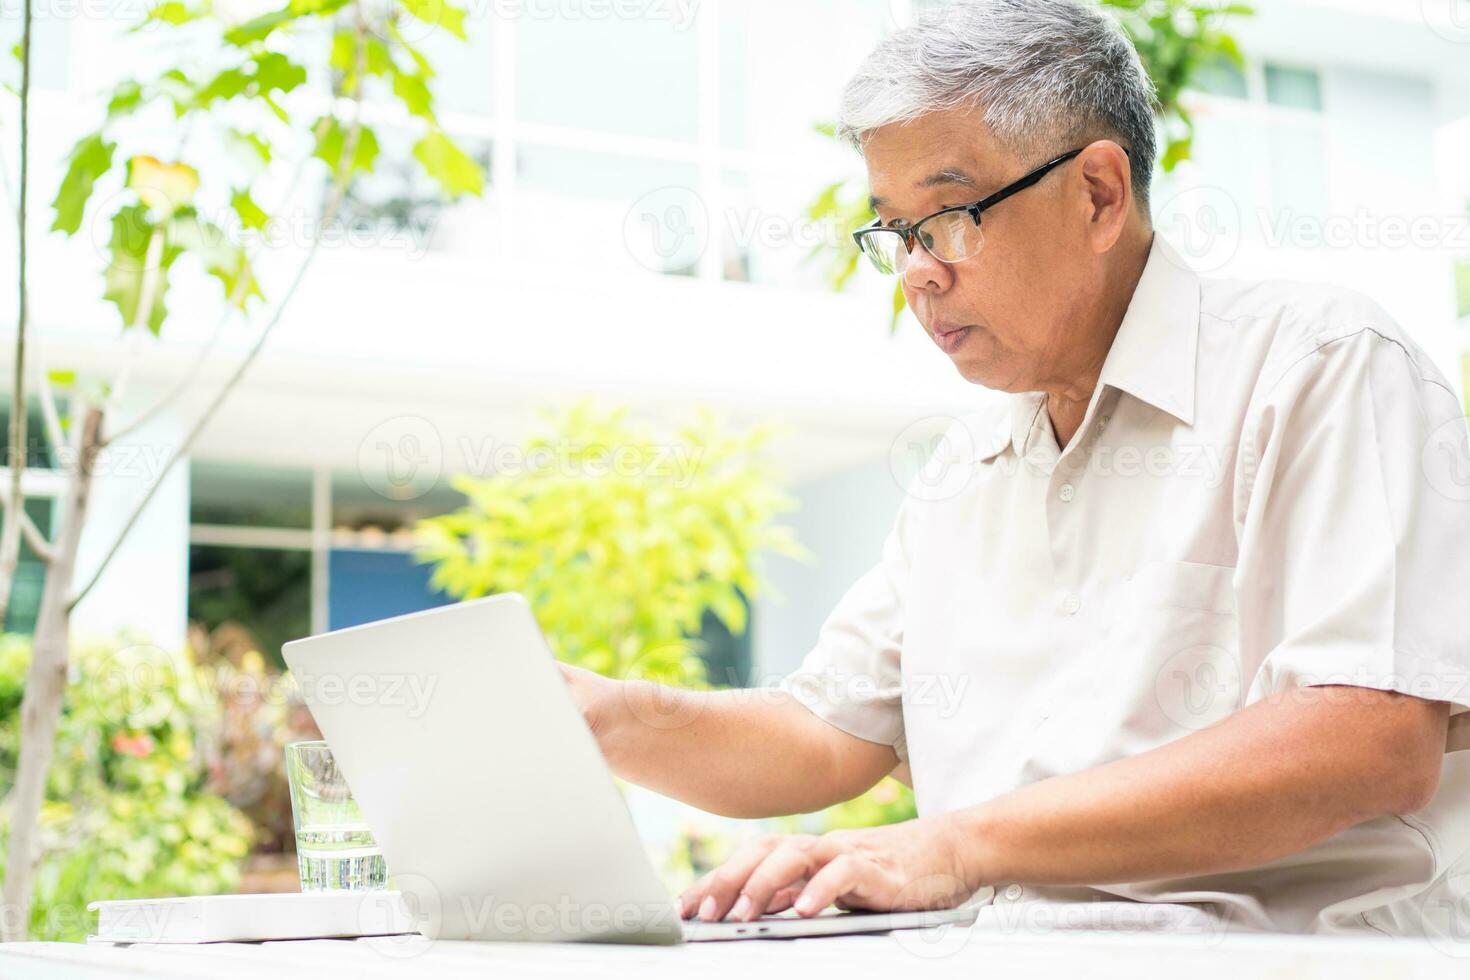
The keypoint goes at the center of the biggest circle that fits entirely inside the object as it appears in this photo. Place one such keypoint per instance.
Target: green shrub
(620, 536)
(126, 814)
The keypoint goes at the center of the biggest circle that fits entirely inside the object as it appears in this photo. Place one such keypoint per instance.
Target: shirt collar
(1153, 354)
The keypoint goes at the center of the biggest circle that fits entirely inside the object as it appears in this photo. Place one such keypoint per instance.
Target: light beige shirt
(1270, 489)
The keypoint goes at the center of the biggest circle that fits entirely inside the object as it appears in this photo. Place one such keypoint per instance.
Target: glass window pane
(39, 454)
(643, 69)
(30, 574)
(775, 82)
(50, 49)
(265, 591)
(1295, 88)
(588, 173)
(364, 518)
(243, 494)
(1220, 77)
(608, 211)
(464, 71)
(766, 236)
(1296, 161)
(366, 586)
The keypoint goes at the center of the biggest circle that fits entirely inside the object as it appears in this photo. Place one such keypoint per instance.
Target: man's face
(1003, 316)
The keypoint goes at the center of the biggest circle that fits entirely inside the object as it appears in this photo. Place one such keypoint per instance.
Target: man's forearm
(752, 753)
(1273, 779)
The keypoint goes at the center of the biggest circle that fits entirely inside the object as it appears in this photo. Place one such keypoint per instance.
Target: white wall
(144, 590)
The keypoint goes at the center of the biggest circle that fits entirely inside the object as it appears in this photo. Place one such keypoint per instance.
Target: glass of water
(335, 851)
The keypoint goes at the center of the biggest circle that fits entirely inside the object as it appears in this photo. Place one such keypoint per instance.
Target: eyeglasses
(951, 235)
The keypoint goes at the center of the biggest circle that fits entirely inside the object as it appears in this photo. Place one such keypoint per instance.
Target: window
(239, 495)
(637, 76)
(1221, 77)
(284, 552)
(1261, 139)
(40, 486)
(265, 590)
(30, 574)
(1294, 88)
(50, 49)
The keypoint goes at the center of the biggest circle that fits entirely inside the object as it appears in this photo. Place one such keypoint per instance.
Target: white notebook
(252, 918)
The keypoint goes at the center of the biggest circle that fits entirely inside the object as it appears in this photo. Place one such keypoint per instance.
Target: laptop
(496, 812)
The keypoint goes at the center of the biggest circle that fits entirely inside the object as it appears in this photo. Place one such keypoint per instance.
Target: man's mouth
(950, 338)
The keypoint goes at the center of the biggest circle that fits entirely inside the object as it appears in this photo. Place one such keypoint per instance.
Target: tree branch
(30, 532)
(328, 215)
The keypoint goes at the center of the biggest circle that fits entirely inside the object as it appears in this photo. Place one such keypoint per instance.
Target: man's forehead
(906, 159)
(945, 176)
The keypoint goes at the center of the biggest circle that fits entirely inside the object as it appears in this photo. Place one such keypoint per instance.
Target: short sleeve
(852, 677)
(1353, 515)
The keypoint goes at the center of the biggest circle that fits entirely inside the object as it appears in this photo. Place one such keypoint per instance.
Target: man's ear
(1109, 188)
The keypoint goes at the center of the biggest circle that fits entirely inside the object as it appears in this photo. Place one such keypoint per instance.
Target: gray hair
(1047, 75)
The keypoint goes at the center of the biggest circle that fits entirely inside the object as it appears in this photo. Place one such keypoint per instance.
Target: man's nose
(923, 271)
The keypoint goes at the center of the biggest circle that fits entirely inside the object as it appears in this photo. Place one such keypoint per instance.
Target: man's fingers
(842, 877)
(711, 897)
(784, 899)
(791, 862)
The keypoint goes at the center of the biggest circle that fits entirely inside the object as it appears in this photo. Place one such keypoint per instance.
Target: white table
(973, 954)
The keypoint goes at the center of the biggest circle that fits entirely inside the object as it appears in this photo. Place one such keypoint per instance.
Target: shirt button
(1102, 423)
(1071, 603)
(1067, 492)
(1013, 892)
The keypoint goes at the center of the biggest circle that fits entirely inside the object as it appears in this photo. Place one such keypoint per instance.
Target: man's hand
(596, 697)
(911, 866)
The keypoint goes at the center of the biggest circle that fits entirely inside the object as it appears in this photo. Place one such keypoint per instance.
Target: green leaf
(90, 159)
(224, 86)
(251, 214)
(62, 378)
(442, 160)
(318, 7)
(140, 257)
(1178, 150)
(127, 95)
(413, 91)
(332, 148)
(274, 72)
(171, 12)
(222, 258)
(438, 13)
(259, 28)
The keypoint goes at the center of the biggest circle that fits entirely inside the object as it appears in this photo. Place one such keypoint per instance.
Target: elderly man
(1194, 603)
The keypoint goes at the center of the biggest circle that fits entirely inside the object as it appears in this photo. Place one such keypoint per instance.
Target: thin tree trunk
(10, 528)
(40, 709)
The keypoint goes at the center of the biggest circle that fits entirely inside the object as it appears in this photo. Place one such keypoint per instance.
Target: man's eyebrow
(939, 178)
(949, 175)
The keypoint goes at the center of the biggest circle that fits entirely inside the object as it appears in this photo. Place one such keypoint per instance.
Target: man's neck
(1066, 403)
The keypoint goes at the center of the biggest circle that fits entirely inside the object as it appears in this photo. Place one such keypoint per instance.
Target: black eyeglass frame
(910, 234)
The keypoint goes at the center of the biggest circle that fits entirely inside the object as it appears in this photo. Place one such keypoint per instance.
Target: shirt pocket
(1175, 643)
(1164, 663)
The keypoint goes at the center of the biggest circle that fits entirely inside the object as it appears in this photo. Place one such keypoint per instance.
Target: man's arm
(745, 753)
(1274, 778)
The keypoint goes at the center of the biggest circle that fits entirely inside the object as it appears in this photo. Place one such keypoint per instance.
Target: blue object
(364, 586)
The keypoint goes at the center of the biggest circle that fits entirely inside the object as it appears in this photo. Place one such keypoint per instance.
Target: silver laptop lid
(496, 812)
